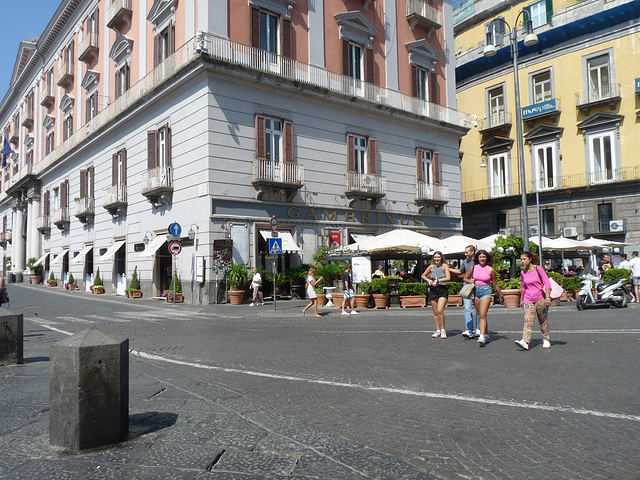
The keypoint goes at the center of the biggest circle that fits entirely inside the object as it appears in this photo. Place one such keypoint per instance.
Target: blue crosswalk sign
(275, 246)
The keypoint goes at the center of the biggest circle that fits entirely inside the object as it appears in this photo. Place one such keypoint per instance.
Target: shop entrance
(120, 270)
(162, 270)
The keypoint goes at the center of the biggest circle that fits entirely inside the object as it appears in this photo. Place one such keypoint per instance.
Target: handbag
(556, 289)
(4, 297)
(468, 290)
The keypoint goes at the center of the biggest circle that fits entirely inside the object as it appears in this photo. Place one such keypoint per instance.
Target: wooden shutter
(83, 183)
(255, 28)
(286, 38)
(152, 139)
(548, 5)
(91, 182)
(114, 170)
(4, 224)
(45, 209)
(433, 87)
(419, 167)
(345, 57)
(288, 141)
(123, 171)
(372, 156)
(63, 194)
(527, 16)
(351, 153)
(261, 151)
(87, 115)
(156, 51)
(435, 165)
(167, 145)
(118, 89)
(369, 66)
(127, 77)
(414, 81)
(171, 33)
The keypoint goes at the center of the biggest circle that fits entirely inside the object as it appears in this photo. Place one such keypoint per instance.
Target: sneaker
(477, 334)
(353, 312)
(345, 313)
(483, 340)
(261, 304)
(443, 334)
(252, 304)
(436, 334)
(546, 343)
(467, 334)
(522, 344)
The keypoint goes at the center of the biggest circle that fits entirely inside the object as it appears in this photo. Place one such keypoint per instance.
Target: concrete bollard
(89, 391)
(11, 337)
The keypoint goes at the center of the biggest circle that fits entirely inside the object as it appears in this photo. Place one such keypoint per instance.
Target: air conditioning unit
(570, 232)
(534, 229)
(616, 226)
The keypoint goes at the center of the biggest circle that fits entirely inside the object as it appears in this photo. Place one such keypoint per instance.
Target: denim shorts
(483, 291)
(348, 294)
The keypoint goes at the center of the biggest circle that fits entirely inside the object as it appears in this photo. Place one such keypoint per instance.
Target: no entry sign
(175, 248)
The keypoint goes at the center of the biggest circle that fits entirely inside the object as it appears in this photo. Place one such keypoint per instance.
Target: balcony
(88, 49)
(606, 94)
(496, 123)
(20, 180)
(157, 185)
(27, 118)
(119, 14)
(115, 199)
(278, 176)
(419, 12)
(61, 218)
(14, 134)
(43, 224)
(431, 195)
(65, 75)
(549, 108)
(48, 97)
(365, 186)
(85, 209)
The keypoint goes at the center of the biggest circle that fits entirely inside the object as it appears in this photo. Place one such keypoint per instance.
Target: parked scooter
(608, 294)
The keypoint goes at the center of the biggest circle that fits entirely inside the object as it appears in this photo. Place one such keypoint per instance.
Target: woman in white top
(311, 291)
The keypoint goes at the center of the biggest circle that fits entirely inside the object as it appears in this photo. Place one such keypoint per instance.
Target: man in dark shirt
(603, 265)
(465, 266)
(349, 293)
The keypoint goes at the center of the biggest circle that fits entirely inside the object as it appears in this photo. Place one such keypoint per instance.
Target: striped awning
(288, 243)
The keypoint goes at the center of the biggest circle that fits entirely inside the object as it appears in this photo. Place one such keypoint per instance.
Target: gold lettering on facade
(417, 221)
(311, 214)
(349, 217)
(332, 217)
(365, 218)
(293, 212)
(404, 220)
(389, 218)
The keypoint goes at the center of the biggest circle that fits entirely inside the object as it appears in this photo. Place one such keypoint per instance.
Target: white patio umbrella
(397, 241)
(457, 244)
(564, 244)
(600, 243)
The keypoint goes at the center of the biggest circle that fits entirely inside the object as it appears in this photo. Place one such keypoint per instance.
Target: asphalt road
(448, 407)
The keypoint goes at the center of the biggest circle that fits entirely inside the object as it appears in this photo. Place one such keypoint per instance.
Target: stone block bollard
(89, 391)
(11, 337)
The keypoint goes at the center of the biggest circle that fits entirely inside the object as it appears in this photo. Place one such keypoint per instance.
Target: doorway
(162, 270)
(120, 270)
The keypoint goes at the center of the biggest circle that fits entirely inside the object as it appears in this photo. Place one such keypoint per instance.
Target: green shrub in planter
(135, 282)
(320, 287)
(454, 288)
(380, 286)
(615, 274)
(237, 277)
(410, 289)
(571, 283)
(365, 287)
(511, 284)
(72, 280)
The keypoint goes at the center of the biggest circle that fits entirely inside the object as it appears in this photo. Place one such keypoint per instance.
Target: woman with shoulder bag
(437, 275)
(535, 299)
(311, 291)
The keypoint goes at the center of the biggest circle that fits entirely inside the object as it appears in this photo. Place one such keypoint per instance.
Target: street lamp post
(490, 50)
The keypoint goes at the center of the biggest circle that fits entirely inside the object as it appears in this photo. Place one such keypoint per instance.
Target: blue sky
(23, 20)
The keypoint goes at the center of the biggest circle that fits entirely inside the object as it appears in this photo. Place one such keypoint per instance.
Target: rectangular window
(159, 148)
(498, 174)
(122, 80)
(542, 87)
(602, 157)
(355, 61)
(67, 127)
(422, 82)
(164, 44)
(495, 31)
(269, 32)
(501, 221)
(548, 222)
(119, 168)
(496, 107)
(48, 147)
(605, 215)
(272, 138)
(426, 167)
(599, 78)
(360, 148)
(545, 166)
(538, 14)
(92, 106)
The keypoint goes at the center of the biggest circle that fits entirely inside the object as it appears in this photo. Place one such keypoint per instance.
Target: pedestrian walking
(311, 291)
(482, 275)
(534, 300)
(624, 263)
(634, 263)
(256, 286)
(437, 275)
(472, 323)
(349, 292)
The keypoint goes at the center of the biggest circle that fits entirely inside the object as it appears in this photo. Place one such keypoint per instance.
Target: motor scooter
(607, 294)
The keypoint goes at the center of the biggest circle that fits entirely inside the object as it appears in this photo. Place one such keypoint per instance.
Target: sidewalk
(179, 428)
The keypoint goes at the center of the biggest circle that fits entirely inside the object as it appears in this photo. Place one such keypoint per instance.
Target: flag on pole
(6, 151)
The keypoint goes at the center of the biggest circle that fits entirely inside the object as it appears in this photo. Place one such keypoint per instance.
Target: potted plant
(380, 289)
(297, 278)
(52, 280)
(571, 286)
(71, 284)
(97, 287)
(362, 298)
(511, 292)
(330, 272)
(320, 292)
(174, 287)
(455, 299)
(279, 280)
(237, 278)
(134, 287)
(36, 271)
(413, 294)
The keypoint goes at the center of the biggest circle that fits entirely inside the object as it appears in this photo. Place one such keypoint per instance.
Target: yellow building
(580, 105)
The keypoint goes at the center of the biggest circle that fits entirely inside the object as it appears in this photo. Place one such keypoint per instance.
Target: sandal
(436, 334)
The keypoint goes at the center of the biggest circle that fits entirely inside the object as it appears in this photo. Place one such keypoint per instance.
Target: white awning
(153, 247)
(358, 237)
(41, 259)
(111, 251)
(59, 257)
(288, 243)
(83, 253)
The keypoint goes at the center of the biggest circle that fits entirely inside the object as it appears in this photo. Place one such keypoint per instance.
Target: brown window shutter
(118, 92)
(114, 170)
(91, 183)
(255, 28)
(433, 86)
(414, 81)
(45, 209)
(286, 38)
(167, 144)
(436, 168)
(261, 151)
(87, 115)
(152, 138)
(369, 66)
(419, 167)
(63, 194)
(172, 39)
(97, 15)
(123, 172)
(83, 183)
(156, 51)
(372, 156)
(288, 141)
(4, 224)
(66, 193)
(127, 79)
(351, 153)
(345, 57)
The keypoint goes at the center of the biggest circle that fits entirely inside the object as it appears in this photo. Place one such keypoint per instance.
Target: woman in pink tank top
(482, 275)
(535, 301)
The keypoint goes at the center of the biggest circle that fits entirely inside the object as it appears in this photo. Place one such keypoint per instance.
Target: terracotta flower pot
(454, 301)
(337, 298)
(362, 300)
(236, 296)
(511, 298)
(35, 279)
(180, 298)
(97, 290)
(381, 300)
(322, 299)
(72, 286)
(413, 301)
(135, 294)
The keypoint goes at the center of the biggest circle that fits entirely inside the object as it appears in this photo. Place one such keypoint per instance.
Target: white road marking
(109, 319)
(430, 331)
(401, 391)
(76, 319)
(42, 321)
(57, 330)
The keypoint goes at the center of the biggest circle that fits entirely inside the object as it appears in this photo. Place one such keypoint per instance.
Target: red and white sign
(335, 238)
(274, 224)
(175, 248)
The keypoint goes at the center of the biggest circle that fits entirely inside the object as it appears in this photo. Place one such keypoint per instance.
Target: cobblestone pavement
(248, 392)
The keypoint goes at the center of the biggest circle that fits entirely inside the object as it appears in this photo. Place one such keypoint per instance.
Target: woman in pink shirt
(482, 275)
(535, 299)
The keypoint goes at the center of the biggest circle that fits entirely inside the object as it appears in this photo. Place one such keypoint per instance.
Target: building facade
(337, 117)
(580, 101)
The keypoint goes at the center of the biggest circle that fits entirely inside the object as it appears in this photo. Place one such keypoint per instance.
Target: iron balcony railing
(277, 172)
(48, 95)
(159, 178)
(426, 192)
(598, 94)
(366, 183)
(499, 119)
(115, 195)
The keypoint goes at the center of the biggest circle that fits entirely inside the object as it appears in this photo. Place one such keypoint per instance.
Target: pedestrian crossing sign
(275, 246)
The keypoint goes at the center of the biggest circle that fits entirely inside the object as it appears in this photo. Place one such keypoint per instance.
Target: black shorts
(439, 291)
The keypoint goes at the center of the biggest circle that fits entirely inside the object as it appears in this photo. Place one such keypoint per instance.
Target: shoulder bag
(468, 290)
(556, 290)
